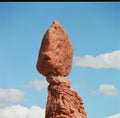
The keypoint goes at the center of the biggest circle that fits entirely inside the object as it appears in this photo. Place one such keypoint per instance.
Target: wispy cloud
(18, 111)
(108, 90)
(107, 60)
(92, 91)
(114, 116)
(11, 95)
(37, 84)
(78, 87)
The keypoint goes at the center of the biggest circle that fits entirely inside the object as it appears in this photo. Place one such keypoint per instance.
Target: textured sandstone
(55, 62)
(62, 101)
(56, 52)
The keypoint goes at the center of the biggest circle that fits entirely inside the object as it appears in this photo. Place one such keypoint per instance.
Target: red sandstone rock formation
(56, 52)
(54, 62)
(62, 101)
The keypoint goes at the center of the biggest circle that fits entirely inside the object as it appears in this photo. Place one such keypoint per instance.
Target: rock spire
(55, 62)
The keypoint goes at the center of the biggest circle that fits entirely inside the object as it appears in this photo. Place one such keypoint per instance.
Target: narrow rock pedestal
(55, 62)
(62, 101)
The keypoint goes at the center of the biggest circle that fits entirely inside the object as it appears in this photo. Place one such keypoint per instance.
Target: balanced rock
(55, 62)
(56, 52)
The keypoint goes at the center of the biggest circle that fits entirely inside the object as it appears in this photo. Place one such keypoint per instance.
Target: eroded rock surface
(55, 62)
(56, 52)
(62, 101)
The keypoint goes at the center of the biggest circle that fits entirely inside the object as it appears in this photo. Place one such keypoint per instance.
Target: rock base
(62, 101)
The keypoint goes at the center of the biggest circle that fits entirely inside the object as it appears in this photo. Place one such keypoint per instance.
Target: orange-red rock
(56, 52)
(55, 62)
(62, 101)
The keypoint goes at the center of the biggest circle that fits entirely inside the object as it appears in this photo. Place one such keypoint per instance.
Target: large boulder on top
(56, 52)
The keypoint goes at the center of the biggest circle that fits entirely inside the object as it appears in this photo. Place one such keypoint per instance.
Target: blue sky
(93, 29)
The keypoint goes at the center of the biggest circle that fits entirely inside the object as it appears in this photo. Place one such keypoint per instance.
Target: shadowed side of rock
(62, 101)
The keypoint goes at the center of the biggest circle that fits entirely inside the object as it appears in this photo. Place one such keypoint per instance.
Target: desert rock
(56, 52)
(55, 62)
(62, 101)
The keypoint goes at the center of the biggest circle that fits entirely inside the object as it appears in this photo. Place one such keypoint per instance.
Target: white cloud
(108, 90)
(3, 104)
(107, 60)
(17, 111)
(36, 112)
(37, 84)
(11, 95)
(114, 116)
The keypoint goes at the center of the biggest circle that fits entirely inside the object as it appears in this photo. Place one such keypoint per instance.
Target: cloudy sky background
(94, 31)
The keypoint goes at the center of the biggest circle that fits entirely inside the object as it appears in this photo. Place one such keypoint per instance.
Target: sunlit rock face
(62, 101)
(55, 62)
(56, 52)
